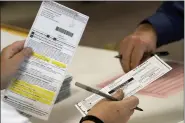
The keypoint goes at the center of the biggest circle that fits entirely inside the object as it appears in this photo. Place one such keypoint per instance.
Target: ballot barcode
(64, 31)
(122, 85)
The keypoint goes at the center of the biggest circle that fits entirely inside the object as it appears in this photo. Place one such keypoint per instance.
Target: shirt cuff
(162, 26)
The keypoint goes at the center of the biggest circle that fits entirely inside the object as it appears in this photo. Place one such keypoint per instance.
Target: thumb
(119, 94)
(22, 55)
(131, 102)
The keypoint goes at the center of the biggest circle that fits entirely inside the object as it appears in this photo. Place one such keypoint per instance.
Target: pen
(163, 53)
(87, 88)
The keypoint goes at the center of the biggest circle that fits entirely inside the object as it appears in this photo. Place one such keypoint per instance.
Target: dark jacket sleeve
(168, 21)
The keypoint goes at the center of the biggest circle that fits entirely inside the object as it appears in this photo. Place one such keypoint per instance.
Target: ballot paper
(130, 83)
(65, 89)
(54, 37)
(163, 87)
(108, 81)
(63, 93)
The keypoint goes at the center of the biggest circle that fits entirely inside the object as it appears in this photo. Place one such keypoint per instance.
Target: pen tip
(139, 109)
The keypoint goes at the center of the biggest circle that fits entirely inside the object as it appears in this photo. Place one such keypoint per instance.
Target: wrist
(99, 115)
(90, 119)
(148, 34)
(146, 28)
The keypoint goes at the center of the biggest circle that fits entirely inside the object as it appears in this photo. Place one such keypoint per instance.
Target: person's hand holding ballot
(105, 111)
(11, 59)
(114, 111)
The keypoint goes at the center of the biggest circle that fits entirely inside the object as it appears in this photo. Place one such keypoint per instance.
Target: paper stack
(65, 90)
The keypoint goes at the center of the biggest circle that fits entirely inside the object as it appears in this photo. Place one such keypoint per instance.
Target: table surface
(91, 66)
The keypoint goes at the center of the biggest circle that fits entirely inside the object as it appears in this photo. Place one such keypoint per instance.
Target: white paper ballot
(131, 82)
(54, 36)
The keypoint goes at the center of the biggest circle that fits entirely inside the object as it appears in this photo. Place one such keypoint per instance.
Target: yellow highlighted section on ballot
(47, 59)
(59, 64)
(44, 58)
(33, 92)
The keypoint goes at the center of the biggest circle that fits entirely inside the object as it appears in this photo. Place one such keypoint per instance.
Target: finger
(13, 49)
(21, 56)
(119, 94)
(126, 54)
(131, 102)
(137, 54)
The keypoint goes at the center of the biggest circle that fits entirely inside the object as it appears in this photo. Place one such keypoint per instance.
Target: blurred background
(109, 22)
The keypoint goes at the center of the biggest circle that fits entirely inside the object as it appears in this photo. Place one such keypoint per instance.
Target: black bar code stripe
(64, 31)
(120, 86)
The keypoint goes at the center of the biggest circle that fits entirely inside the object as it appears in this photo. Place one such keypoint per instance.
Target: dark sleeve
(168, 21)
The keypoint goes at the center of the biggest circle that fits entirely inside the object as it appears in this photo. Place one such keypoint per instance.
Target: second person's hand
(134, 46)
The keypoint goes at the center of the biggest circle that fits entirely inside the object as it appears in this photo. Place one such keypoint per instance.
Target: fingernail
(120, 94)
(28, 51)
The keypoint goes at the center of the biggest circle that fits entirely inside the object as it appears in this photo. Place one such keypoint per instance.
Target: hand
(134, 46)
(11, 59)
(114, 111)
